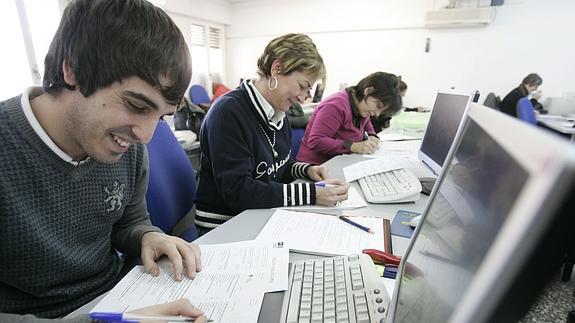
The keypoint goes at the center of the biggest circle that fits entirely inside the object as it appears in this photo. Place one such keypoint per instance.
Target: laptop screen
(475, 194)
(444, 121)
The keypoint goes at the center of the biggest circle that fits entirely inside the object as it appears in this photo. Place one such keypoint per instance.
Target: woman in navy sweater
(246, 140)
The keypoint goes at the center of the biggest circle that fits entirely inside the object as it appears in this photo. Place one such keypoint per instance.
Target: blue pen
(129, 317)
(324, 184)
(355, 224)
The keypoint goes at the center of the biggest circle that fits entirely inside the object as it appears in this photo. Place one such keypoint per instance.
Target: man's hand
(181, 307)
(180, 252)
(317, 173)
(333, 193)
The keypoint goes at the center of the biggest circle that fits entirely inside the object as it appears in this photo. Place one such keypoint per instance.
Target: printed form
(230, 287)
(322, 234)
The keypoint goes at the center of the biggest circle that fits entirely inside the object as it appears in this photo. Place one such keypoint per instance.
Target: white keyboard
(340, 289)
(394, 186)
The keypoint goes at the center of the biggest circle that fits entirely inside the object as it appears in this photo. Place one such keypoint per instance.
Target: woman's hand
(181, 307)
(368, 146)
(333, 193)
(317, 173)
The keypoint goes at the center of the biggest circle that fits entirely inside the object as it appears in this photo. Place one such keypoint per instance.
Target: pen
(357, 225)
(324, 184)
(365, 135)
(123, 317)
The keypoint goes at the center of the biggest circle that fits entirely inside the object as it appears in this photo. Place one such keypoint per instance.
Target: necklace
(272, 144)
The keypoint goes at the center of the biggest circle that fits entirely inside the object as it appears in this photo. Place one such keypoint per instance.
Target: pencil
(355, 224)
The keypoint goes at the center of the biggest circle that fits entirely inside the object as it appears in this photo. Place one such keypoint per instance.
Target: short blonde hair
(297, 52)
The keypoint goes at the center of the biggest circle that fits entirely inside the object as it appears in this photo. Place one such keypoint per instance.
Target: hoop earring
(275, 79)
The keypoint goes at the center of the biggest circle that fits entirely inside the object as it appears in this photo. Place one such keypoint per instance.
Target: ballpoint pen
(133, 317)
(355, 224)
(324, 184)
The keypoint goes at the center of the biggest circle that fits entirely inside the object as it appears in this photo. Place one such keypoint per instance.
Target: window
(207, 52)
(33, 24)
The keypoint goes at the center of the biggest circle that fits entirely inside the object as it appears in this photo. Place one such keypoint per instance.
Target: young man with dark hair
(74, 165)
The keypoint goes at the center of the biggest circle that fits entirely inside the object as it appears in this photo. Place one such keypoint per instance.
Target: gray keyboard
(340, 289)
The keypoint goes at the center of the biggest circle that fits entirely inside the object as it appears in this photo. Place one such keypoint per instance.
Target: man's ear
(69, 76)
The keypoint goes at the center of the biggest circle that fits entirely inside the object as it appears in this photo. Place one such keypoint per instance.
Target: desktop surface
(248, 224)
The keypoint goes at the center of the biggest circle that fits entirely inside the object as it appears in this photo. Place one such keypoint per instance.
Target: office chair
(172, 184)
(296, 137)
(491, 100)
(525, 111)
(199, 96)
(219, 90)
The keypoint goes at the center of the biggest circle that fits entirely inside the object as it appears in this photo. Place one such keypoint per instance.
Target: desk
(247, 225)
(558, 123)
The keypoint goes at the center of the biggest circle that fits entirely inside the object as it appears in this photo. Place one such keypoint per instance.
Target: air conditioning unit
(460, 17)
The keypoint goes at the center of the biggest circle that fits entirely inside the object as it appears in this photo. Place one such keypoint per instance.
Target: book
(400, 225)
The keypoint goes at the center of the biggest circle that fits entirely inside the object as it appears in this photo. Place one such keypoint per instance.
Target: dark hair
(105, 41)
(532, 79)
(385, 88)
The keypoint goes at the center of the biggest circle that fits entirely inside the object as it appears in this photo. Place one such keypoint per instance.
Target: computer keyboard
(339, 289)
(398, 185)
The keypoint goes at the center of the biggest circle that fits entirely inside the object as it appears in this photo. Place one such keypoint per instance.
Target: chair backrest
(172, 183)
(525, 111)
(491, 100)
(219, 90)
(198, 94)
(296, 136)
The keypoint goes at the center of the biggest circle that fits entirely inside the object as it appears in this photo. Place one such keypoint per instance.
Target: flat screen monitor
(495, 226)
(446, 116)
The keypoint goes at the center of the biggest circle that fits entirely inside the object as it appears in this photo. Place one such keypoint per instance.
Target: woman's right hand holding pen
(368, 146)
(331, 192)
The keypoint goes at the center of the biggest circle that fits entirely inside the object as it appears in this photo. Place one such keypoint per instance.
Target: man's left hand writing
(317, 173)
(185, 257)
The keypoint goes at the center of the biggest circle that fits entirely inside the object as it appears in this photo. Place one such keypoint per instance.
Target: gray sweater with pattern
(60, 224)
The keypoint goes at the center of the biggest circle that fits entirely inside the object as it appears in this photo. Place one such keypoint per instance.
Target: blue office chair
(172, 184)
(199, 95)
(525, 111)
(296, 137)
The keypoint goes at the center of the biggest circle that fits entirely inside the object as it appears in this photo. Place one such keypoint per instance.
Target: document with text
(322, 234)
(230, 287)
(369, 167)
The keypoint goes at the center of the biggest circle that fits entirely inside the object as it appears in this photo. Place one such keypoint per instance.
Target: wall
(359, 37)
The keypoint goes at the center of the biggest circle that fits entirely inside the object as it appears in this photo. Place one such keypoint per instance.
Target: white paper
(230, 287)
(369, 167)
(395, 137)
(405, 145)
(354, 201)
(322, 234)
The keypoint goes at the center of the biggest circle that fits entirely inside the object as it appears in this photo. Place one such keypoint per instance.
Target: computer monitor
(445, 119)
(560, 105)
(494, 227)
(318, 94)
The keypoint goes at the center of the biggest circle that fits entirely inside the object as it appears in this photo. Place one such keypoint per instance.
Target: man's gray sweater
(60, 224)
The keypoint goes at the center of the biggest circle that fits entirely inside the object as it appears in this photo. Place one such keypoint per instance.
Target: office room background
(354, 37)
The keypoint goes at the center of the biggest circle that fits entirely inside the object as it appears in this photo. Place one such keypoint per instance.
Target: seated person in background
(382, 121)
(528, 87)
(297, 118)
(340, 124)
(246, 139)
(74, 165)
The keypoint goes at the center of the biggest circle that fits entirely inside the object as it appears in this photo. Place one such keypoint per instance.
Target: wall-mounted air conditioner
(460, 17)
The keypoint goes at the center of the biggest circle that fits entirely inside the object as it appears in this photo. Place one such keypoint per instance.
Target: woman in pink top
(341, 123)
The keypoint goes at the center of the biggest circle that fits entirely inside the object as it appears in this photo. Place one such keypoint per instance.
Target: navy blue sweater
(238, 169)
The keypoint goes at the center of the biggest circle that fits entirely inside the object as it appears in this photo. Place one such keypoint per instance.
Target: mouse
(415, 221)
